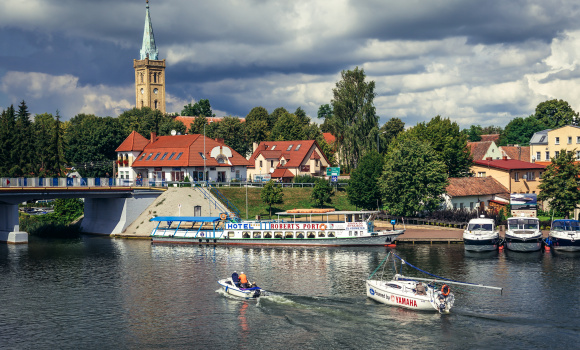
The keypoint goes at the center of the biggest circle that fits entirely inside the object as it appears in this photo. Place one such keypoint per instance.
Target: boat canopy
(565, 225)
(187, 218)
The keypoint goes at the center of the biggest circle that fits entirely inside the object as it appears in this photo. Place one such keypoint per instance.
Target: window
(178, 156)
(471, 205)
(531, 176)
(569, 140)
(556, 154)
(517, 176)
(577, 139)
(157, 156)
(542, 138)
(547, 155)
(289, 147)
(577, 154)
(454, 205)
(540, 175)
(164, 155)
(557, 140)
(298, 147)
(143, 156)
(171, 156)
(283, 162)
(271, 164)
(200, 154)
(461, 206)
(316, 162)
(481, 174)
(260, 164)
(538, 155)
(273, 147)
(149, 156)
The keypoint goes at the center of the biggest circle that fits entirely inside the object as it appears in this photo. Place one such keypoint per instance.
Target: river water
(101, 293)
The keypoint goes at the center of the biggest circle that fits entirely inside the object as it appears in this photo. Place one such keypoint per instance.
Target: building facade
(547, 144)
(149, 72)
(475, 193)
(516, 175)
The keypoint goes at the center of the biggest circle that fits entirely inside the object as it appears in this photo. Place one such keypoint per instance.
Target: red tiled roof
(187, 120)
(133, 142)
(490, 137)
(272, 154)
(478, 149)
(191, 148)
(508, 164)
(328, 137)
(282, 172)
(517, 152)
(315, 155)
(294, 158)
(475, 186)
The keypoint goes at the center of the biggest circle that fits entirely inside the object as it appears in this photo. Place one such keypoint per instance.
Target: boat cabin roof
(187, 218)
(342, 212)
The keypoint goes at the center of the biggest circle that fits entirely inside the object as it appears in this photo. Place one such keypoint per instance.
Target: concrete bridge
(110, 204)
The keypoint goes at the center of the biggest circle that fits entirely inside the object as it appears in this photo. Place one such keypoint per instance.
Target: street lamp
(378, 133)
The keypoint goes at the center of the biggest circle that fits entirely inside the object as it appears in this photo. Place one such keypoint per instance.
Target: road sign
(334, 178)
(332, 171)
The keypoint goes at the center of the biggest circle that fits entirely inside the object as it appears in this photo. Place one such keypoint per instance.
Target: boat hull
(381, 292)
(376, 240)
(481, 244)
(523, 245)
(228, 287)
(565, 244)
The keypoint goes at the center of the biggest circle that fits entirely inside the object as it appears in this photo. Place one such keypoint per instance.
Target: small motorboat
(564, 235)
(523, 234)
(228, 286)
(413, 292)
(481, 235)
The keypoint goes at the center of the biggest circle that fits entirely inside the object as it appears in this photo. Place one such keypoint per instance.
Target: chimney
(504, 158)
(254, 147)
(219, 140)
(153, 137)
(488, 158)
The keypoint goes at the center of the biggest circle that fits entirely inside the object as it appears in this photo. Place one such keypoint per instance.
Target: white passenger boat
(422, 294)
(228, 286)
(564, 235)
(481, 235)
(523, 234)
(332, 228)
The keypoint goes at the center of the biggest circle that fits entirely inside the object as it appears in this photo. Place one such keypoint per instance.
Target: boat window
(289, 234)
(392, 285)
(480, 227)
(278, 234)
(331, 234)
(321, 234)
(229, 282)
(231, 234)
(246, 234)
(311, 234)
(267, 235)
(258, 234)
(523, 224)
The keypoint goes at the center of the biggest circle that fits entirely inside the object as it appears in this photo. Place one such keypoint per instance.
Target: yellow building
(149, 72)
(516, 175)
(547, 144)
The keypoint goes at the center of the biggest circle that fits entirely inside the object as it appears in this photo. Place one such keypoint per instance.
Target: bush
(301, 179)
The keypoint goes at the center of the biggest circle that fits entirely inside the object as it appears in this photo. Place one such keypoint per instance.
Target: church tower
(149, 71)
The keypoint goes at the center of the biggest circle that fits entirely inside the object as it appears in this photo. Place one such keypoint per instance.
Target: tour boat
(481, 235)
(228, 286)
(422, 294)
(564, 235)
(330, 228)
(523, 234)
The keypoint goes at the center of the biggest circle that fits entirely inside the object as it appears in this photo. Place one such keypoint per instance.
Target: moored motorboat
(330, 228)
(481, 235)
(422, 294)
(564, 235)
(228, 286)
(523, 234)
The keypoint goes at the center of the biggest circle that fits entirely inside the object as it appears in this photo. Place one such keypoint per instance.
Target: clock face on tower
(142, 91)
(155, 91)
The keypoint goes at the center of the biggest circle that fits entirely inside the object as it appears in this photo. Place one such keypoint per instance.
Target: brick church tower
(149, 71)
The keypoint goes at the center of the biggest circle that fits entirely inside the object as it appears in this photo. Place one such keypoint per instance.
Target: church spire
(149, 50)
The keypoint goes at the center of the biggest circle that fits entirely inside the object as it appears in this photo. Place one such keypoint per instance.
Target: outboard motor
(442, 306)
(256, 293)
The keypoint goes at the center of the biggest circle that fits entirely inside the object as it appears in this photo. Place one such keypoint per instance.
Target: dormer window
(171, 156)
(143, 156)
(298, 147)
(289, 147)
(164, 155)
(542, 138)
(178, 156)
(149, 156)
(157, 156)
(201, 155)
(273, 147)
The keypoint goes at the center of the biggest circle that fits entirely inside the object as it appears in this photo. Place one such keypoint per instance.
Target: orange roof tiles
(282, 172)
(133, 142)
(508, 164)
(293, 151)
(517, 152)
(475, 186)
(478, 149)
(328, 137)
(490, 137)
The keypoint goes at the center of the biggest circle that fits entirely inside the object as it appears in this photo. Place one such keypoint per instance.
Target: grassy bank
(293, 198)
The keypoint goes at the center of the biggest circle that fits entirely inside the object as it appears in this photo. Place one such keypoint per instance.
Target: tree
(272, 194)
(43, 126)
(56, 161)
(257, 126)
(200, 108)
(473, 133)
(23, 149)
(325, 112)
(7, 140)
(302, 117)
(561, 182)
(413, 178)
(287, 128)
(519, 131)
(354, 115)
(67, 210)
(321, 193)
(232, 131)
(274, 116)
(363, 189)
(448, 142)
(197, 126)
(389, 131)
(555, 113)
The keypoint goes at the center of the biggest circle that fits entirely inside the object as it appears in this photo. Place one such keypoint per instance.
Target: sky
(475, 62)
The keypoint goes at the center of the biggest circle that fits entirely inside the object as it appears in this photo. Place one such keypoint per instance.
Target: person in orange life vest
(243, 280)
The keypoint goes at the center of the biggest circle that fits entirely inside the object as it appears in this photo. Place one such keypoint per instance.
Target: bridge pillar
(109, 216)
(9, 225)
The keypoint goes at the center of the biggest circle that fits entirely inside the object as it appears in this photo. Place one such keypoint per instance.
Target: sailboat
(414, 293)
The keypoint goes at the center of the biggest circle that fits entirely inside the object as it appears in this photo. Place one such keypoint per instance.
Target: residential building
(516, 152)
(283, 160)
(475, 193)
(516, 175)
(484, 150)
(547, 144)
(172, 158)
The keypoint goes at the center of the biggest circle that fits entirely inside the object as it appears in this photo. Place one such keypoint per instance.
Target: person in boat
(236, 279)
(420, 289)
(244, 280)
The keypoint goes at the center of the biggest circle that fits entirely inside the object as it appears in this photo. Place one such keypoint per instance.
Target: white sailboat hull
(385, 292)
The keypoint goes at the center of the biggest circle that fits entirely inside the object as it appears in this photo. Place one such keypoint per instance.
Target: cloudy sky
(476, 62)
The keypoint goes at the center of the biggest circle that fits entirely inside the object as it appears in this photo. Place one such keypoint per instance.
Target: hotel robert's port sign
(296, 226)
